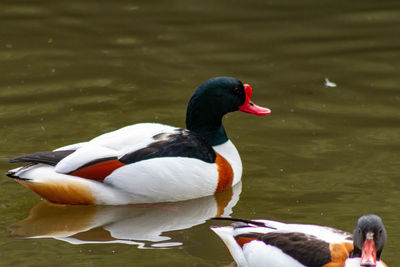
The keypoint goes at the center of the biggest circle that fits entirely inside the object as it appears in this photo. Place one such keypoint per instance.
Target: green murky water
(72, 70)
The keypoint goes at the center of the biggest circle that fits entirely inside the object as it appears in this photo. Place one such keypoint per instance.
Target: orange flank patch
(225, 174)
(73, 193)
(339, 253)
(98, 171)
(244, 240)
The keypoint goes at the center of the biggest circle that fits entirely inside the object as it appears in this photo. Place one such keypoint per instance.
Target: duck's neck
(207, 122)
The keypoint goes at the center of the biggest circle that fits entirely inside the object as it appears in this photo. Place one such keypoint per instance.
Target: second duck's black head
(369, 238)
(212, 100)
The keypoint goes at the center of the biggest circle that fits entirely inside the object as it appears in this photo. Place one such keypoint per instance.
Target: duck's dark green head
(212, 100)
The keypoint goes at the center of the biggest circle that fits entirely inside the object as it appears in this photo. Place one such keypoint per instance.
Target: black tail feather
(49, 157)
(13, 176)
(12, 173)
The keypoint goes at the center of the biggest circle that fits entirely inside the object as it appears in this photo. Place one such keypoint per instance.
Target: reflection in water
(141, 225)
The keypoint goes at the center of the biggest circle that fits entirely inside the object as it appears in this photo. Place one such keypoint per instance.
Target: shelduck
(255, 243)
(147, 162)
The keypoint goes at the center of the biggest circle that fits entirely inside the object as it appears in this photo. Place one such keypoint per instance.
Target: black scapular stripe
(307, 250)
(48, 157)
(182, 143)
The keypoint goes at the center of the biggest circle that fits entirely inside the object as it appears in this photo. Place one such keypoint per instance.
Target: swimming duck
(276, 244)
(147, 162)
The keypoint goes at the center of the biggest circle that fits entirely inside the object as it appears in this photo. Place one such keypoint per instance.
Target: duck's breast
(229, 152)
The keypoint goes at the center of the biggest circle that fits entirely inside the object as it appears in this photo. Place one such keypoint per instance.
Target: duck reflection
(142, 225)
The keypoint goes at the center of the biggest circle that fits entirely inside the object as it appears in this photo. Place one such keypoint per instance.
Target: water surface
(75, 69)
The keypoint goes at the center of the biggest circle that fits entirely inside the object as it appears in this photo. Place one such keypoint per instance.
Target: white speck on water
(281, 170)
(42, 127)
(292, 110)
(9, 46)
(322, 214)
(283, 121)
(53, 70)
(329, 83)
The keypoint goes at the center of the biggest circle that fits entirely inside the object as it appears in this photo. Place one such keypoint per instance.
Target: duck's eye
(236, 90)
(380, 232)
(359, 231)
